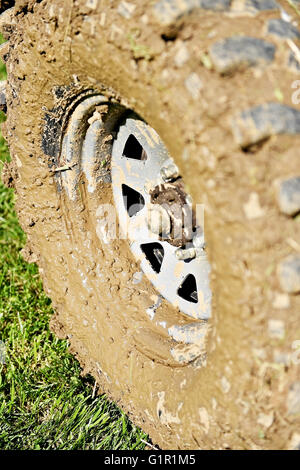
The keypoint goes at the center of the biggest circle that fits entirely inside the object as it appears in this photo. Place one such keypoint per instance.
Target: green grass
(44, 401)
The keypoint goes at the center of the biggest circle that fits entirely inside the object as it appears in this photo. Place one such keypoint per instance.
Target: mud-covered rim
(140, 163)
(109, 143)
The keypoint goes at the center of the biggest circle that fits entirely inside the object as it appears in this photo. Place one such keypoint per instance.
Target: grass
(44, 401)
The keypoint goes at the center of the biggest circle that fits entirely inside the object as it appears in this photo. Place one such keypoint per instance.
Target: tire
(216, 86)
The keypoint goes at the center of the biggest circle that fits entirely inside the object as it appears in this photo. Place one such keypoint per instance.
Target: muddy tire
(216, 84)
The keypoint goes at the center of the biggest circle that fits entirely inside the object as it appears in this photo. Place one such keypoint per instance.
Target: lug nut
(182, 254)
(169, 172)
(189, 253)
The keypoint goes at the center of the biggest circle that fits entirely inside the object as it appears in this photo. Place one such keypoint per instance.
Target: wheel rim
(139, 163)
(184, 283)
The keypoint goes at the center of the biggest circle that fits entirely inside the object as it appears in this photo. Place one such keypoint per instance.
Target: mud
(213, 403)
(173, 198)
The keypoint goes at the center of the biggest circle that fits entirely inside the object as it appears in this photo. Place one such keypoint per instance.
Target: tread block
(289, 196)
(289, 274)
(215, 5)
(236, 52)
(260, 122)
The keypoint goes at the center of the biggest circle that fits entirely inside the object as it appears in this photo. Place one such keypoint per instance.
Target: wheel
(117, 107)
